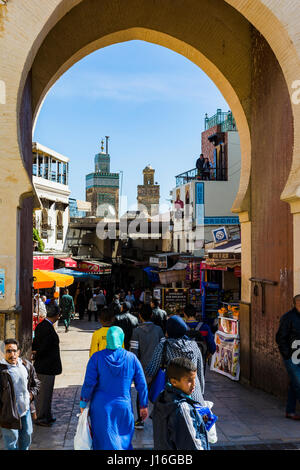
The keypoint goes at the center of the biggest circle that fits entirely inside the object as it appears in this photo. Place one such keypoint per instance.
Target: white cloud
(141, 87)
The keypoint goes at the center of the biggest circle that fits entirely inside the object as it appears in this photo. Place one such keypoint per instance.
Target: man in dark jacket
(143, 342)
(127, 322)
(159, 316)
(19, 385)
(47, 363)
(288, 340)
(177, 425)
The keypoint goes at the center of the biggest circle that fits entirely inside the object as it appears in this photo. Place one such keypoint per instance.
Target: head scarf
(176, 327)
(114, 338)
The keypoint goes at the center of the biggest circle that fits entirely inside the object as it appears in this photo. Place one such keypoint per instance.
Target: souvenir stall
(226, 359)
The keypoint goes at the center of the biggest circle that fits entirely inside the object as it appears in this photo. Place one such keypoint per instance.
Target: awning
(46, 279)
(207, 266)
(152, 274)
(78, 275)
(43, 262)
(94, 267)
(68, 262)
(221, 264)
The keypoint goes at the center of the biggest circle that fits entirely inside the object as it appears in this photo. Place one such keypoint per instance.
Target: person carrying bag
(158, 383)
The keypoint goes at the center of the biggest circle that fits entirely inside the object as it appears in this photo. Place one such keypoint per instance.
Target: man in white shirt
(19, 386)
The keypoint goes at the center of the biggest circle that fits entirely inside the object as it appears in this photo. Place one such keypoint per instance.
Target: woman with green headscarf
(106, 386)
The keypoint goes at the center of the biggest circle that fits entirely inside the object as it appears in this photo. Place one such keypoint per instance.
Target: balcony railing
(224, 119)
(213, 174)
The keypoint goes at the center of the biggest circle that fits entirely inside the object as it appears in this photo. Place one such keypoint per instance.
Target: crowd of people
(130, 346)
(134, 341)
(126, 348)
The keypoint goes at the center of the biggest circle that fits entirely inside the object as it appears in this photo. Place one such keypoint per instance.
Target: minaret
(148, 193)
(102, 186)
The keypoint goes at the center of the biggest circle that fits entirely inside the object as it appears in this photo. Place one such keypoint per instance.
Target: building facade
(203, 203)
(50, 178)
(148, 194)
(102, 187)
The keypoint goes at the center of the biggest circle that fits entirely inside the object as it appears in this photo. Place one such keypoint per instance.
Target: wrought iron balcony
(213, 174)
(224, 119)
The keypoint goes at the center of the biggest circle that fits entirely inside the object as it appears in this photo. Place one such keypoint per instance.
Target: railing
(213, 174)
(225, 119)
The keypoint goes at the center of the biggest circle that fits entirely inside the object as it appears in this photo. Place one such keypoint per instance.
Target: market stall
(226, 359)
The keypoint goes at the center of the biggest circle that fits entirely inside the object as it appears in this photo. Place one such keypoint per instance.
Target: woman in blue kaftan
(106, 386)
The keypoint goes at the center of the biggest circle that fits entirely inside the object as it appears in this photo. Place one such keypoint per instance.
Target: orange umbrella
(46, 279)
(61, 280)
(42, 280)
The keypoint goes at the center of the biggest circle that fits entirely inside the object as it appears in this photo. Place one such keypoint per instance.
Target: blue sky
(151, 102)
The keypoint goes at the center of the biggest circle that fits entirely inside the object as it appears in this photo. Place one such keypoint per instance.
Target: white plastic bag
(212, 433)
(83, 436)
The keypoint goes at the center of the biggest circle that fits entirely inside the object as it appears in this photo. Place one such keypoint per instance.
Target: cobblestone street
(248, 418)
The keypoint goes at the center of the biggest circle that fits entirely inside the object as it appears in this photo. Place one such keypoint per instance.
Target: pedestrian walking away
(67, 309)
(47, 363)
(99, 336)
(127, 322)
(179, 345)
(19, 386)
(177, 425)
(100, 301)
(288, 340)
(92, 308)
(159, 316)
(143, 342)
(81, 303)
(107, 386)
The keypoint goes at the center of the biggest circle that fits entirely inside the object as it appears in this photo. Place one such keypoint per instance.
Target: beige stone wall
(36, 35)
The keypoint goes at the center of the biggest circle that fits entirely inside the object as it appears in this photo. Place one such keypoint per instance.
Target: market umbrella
(61, 280)
(78, 275)
(42, 280)
(46, 279)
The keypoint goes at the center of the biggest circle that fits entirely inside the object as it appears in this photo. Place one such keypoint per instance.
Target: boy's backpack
(195, 334)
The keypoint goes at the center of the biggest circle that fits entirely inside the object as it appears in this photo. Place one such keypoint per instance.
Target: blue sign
(199, 206)
(2, 283)
(221, 221)
(220, 235)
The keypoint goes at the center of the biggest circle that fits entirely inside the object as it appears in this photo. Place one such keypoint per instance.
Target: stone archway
(223, 38)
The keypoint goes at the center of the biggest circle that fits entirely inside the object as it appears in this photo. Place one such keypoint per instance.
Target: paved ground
(248, 418)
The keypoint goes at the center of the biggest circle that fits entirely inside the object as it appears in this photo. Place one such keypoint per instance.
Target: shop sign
(160, 262)
(220, 234)
(43, 263)
(175, 298)
(214, 268)
(237, 271)
(93, 268)
(2, 283)
(156, 294)
(224, 255)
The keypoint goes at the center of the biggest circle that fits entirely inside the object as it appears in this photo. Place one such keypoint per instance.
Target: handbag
(83, 436)
(158, 383)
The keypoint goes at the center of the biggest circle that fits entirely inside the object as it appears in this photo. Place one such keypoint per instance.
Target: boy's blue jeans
(19, 439)
(293, 371)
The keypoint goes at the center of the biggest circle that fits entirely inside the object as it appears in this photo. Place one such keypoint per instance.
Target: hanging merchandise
(226, 359)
